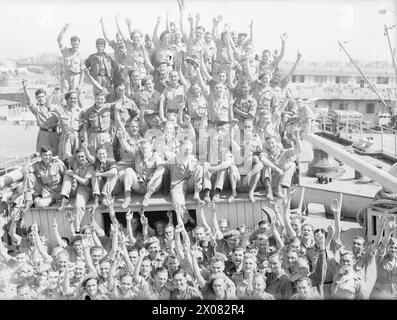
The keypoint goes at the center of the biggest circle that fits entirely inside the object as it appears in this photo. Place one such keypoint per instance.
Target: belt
(221, 123)
(98, 131)
(48, 129)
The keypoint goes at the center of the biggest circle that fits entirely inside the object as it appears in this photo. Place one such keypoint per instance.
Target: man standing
(103, 69)
(46, 120)
(69, 121)
(96, 125)
(73, 63)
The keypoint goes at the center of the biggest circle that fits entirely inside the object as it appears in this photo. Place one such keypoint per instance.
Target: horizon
(356, 22)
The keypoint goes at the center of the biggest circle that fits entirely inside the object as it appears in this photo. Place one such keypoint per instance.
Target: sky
(30, 27)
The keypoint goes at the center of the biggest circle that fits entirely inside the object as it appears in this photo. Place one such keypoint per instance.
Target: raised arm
(178, 242)
(215, 31)
(129, 216)
(13, 228)
(252, 77)
(336, 208)
(203, 85)
(31, 107)
(62, 34)
(285, 207)
(58, 238)
(122, 34)
(191, 24)
(197, 21)
(105, 35)
(39, 244)
(167, 19)
(161, 108)
(278, 59)
(181, 18)
(196, 269)
(156, 40)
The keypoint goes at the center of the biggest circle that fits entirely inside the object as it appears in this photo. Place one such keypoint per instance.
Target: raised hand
(24, 83)
(298, 55)
(143, 252)
(178, 228)
(190, 18)
(67, 26)
(129, 215)
(102, 20)
(128, 21)
(251, 24)
(159, 19)
(55, 225)
(15, 215)
(284, 37)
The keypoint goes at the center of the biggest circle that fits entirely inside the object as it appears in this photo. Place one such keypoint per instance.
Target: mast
(391, 50)
(364, 76)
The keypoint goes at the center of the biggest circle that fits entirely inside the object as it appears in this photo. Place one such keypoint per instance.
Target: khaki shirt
(69, 119)
(50, 176)
(73, 62)
(45, 116)
(98, 120)
(145, 169)
(174, 99)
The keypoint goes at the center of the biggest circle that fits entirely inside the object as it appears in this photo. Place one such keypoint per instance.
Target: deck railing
(384, 138)
(9, 165)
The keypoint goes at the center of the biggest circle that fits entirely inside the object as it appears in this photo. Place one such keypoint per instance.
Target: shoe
(251, 197)
(127, 200)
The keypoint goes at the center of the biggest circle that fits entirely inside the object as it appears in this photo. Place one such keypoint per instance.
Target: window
(342, 106)
(382, 80)
(320, 79)
(370, 108)
(339, 79)
(297, 78)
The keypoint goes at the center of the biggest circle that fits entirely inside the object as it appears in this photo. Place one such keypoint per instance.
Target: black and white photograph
(198, 150)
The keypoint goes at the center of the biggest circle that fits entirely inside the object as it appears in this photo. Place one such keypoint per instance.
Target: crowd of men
(184, 112)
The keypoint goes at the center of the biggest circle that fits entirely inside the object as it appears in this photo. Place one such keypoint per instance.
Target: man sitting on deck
(78, 181)
(43, 180)
(279, 165)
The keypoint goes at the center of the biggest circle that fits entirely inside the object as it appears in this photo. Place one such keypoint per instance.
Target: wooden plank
(50, 236)
(232, 215)
(249, 214)
(240, 216)
(256, 212)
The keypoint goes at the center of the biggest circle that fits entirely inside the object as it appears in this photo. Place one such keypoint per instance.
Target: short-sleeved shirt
(128, 158)
(128, 110)
(84, 170)
(98, 120)
(174, 99)
(282, 158)
(181, 171)
(151, 101)
(218, 110)
(247, 105)
(120, 52)
(197, 107)
(103, 167)
(145, 169)
(50, 175)
(73, 62)
(135, 59)
(69, 119)
(264, 96)
(45, 116)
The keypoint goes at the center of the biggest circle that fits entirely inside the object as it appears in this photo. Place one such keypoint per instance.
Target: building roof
(342, 71)
(7, 102)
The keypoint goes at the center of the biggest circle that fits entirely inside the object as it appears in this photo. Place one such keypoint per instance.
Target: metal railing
(384, 139)
(10, 165)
